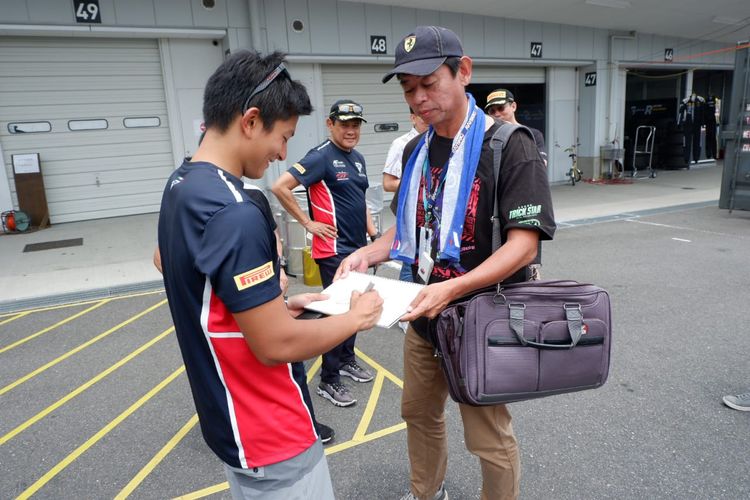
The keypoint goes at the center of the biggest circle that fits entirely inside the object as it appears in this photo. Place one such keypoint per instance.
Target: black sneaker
(326, 433)
(337, 393)
(352, 370)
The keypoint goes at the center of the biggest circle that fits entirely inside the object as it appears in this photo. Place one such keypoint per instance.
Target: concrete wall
(339, 31)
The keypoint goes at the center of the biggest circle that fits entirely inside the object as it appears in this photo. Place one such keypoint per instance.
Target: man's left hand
(431, 300)
(296, 303)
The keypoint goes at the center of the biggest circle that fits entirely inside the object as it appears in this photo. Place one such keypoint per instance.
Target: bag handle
(573, 315)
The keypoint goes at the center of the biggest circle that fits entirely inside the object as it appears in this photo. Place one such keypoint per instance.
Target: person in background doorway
(392, 168)
(502, 105)
(335, 177)
(392, 175)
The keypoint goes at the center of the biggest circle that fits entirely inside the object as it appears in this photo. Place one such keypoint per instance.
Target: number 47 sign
(87, 11)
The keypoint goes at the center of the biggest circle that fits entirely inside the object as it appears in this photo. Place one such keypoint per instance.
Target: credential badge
(409, 43)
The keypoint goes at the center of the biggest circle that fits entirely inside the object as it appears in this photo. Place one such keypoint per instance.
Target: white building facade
(109, 93)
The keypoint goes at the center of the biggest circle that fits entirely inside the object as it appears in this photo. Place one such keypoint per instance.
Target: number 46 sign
(87, 11)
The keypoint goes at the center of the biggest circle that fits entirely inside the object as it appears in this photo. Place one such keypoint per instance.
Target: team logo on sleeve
(254, 276)
(299, 168)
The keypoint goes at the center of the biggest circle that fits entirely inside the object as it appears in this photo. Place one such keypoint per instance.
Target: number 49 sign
(87, 11)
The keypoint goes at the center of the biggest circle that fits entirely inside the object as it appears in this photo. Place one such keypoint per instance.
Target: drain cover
(50, 245)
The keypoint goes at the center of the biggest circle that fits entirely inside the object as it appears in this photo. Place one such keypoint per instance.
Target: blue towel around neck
(459, 180)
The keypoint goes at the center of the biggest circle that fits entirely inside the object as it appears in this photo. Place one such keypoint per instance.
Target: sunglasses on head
(263, 85)
(347, 109)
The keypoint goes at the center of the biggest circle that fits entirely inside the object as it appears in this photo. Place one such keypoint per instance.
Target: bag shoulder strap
(498, 143)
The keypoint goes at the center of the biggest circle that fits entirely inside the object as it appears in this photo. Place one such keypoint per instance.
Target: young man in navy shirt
(237, 335)
(335, 177)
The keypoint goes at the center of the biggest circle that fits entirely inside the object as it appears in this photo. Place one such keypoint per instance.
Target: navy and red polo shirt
(219, 257)
(336, 182)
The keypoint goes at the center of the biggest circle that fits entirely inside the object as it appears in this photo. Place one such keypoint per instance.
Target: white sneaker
(440, 495)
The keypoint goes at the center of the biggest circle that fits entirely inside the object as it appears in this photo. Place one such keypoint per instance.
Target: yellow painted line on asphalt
(161, 455)
(217, 488)
(314, 368)
(50, 328)
(98, 436)
(359, 438)
(372, 403)
(390, 376)
(4, 439)
(82, 303)
(366, 439)
(78, 349)
(20, 315)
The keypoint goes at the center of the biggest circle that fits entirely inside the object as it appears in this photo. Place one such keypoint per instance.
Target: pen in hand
(369, 287)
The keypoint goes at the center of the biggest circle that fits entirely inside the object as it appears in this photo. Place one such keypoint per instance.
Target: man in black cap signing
(444, 230)
(335, 177)
(502, 105)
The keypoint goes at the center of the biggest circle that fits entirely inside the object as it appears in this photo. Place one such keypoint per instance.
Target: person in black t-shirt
(443, 228)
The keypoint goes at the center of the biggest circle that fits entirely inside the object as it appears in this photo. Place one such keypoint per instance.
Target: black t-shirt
(523, 194)
(539, 140)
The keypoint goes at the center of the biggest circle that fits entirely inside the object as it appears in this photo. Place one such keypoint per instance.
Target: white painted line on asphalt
(657, 224)
(680, 239)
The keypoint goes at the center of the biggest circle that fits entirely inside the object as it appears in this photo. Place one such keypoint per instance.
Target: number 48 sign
(87, 11)
(378, 44)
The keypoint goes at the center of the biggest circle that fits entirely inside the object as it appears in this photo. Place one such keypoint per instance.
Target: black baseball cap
(498, 98)
(424, 50)
(346, 109)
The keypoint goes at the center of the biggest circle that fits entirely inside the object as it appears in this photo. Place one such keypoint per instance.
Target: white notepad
(397, 295)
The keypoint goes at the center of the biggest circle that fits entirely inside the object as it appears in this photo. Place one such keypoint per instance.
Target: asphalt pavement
(94, 402)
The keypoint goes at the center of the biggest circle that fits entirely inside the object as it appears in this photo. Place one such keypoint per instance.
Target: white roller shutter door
(74, 82)
(508, 75)
(384, 103)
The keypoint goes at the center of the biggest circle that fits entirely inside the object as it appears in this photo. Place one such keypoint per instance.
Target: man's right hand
(354, 262)
(366, 309)
(321, 230)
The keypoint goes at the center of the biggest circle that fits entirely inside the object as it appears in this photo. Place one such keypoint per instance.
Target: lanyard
(429, 195)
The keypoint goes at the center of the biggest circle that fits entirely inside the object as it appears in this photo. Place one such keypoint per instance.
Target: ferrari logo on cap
(409, 43)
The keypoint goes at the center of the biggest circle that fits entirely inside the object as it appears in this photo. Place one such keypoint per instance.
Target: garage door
(384, 104)
(507, 75)
(94, 110)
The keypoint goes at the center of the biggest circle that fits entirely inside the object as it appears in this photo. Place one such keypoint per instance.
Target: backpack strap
(498, 143)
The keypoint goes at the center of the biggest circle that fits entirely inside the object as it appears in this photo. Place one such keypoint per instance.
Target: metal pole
(738, 133)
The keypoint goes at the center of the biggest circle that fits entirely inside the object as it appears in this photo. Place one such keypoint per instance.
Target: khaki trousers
(487, 429)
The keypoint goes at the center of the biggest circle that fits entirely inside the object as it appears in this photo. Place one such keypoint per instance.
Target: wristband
(375, 236)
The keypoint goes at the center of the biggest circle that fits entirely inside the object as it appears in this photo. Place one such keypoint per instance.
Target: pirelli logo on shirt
(299, 168)
(254, 276)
